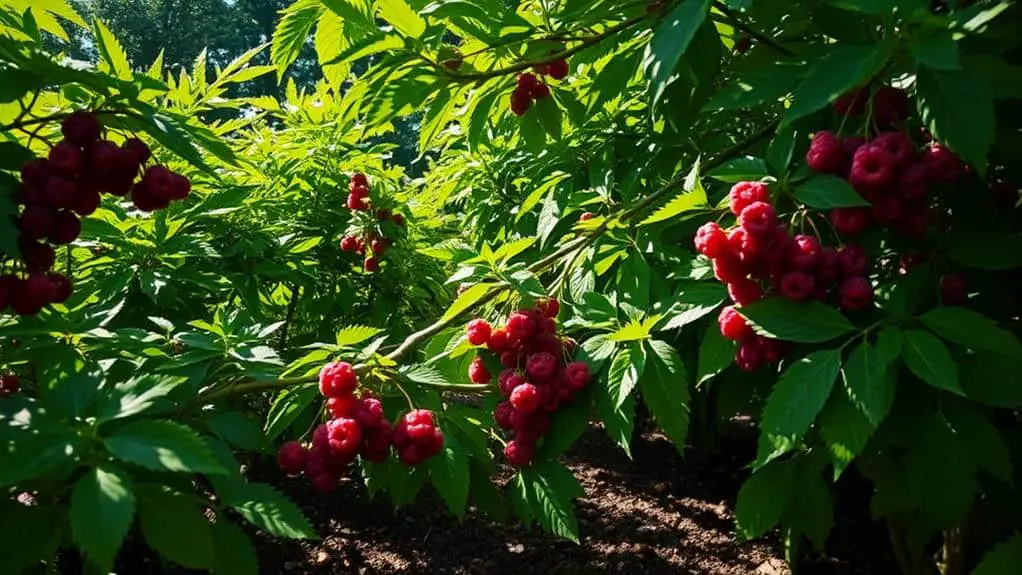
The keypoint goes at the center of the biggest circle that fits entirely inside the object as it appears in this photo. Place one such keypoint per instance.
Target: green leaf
(867, 381)
(670, 41)
(694, 197)
(467, 300)
(625, 372)
(292, 31)
(355, 334)
(763, 499)
(716, 353)
(845, 431)
(135, 396)
(233, 550)
(596, 351)
(940, 472)
(1003, 559)
(13, 154)
(811, 510)
(28, 535)
(807, 322)
(566, 426)
(450, 473)
(174, 526)
(971, 330)
(633, 280)
(114, 59)
(742, 169)
(163, 446)
(959, 111)
(618, 420)
(798, 397)
(665, 391)
(931, 361)
(402, 17)
(550, 117)
(997, 251)
(238, 430)
(696, 300)
(844, 68)
(552, 487)
(827, 192)
(981, 439)
(939, 52)
(288, 406)
(102, 507)
(269, 510)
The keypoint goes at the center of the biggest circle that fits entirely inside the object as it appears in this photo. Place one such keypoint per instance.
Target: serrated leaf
(237, 429)
(566, 425)
(665, 391)
(175, 526)
(971, 330)
(693, 197)
(625, 372)
(716, 353)
(828, 192)
(842, 69)
(983, 441)
(450, 474)
(356, 334)
(269, 510)
(114, 58)
(28, 536)
(135, 396)
(763, 499)
(845, 431)
(163, 446)
(290, 403)
(550, 496)
(293, 29)
(930, 360)
(670, 40)
(102, 508)
(866, 379)
(233, 550)
(959, 111)
(802, 322)
(402, 17)
(468, 299)
(742, 169)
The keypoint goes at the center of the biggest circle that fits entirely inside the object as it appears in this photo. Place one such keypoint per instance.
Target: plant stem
(759, 36)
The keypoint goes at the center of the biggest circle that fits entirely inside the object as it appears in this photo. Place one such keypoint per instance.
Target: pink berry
(478, 373)
(337, 379)
(478, 331)
(541, 366)
(952, 290)
(797, 285)
(343, 435)
(855, 293)
(711, 240)
(850, 221)
(914, 182)
(898, 146)
(805, 253)
(498, 341)
(744, 291)
(825, 154)
(872, 169)
(943, 164)
(852, 261)
(291, 458)
(749, 355)
(518, 453)
(525, 398)
(744, 193)
(577, 375)
(758, 218)
(521, 326)
(732, 325)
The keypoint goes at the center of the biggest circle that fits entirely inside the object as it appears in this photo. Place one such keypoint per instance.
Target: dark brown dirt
(654, 514)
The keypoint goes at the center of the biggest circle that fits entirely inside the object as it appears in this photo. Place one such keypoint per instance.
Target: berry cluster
(529, 88)
(57, 190)
(357, 427)
(357, 242)
(10, 384)
(537, 378)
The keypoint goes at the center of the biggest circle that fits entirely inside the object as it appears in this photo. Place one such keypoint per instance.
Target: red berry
(369, 413)
(344, 435)
(914, 219)
(828, 268)
(62, 287)
(890, 106)
(852, 103)
(337, 379)
(81, 128)
(35, 172)
(527, 81)
(342, 406)
(852, 261)
(509, 359)
(518, 453)
(952, 290)
(797, 285)
(872, 169)
(540, 91)
(86, 203)
(66, 228)
(40, 289)
(357, 203)
(558, 70)
(521, 325)
(60, 192)
(36, 222)
(848, 148)
(586, 216)
(728, 269)
(37, 257)
(805, 253)
(509, 384)
(773, 350)
(743, 44)
(359, 179)
(732, 325)
(744, 291)
(758, 218)
(521, 101)
(479, 331)
(541, 366)
(850, 221)
(855, 293)
(9, 384)
(887, 210)
(749, 355)
(478, 373)
(914, 182)
(498, 341)
(711, 240)
(66, 158)
(291, 458)
(349, 243)
(503, 415)
(825, 153)
(376, 442)
(550, 307)
(138, 148)
(525, 398)
(943, 164)
(372, 265)
(577, 375)
(180, 187)
(898, 146)
(324, 482)
(744, 193)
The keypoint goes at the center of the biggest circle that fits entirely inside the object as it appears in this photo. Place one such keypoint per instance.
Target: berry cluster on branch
(367, 240)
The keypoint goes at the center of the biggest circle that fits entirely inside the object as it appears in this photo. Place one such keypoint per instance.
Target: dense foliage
(466, 229)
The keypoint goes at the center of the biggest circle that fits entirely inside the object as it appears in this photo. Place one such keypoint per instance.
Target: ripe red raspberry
(62, 287)
(944, 165)
(898, 145)
(729, 269)
(550, 307)
(417, 438)
(9, 384)
(827, 269)
(541, 366)
(855, 293)
(138, 148)
(371, 265)
(40, 288)
(825, 154)
(758, 218)
(732, 325)
(418, 424)
(36, 222)
(179, 188)
(358, 190)
(914, 219)
(37, 257)
(324, 482)
(479, 331)
(291, 458)
(540, 91)
(744, 193)
(521, 101)
(887, 210)
(518, 453)
(508, 385)
(914, 182)
(81, 128)
(349, 243)
(378, 246)
(797, 285)
(86, 203)
(35, 172)
(337, 379)
(103, 159)
(563, 390)
(60, 192)
(805, 253)
(711, 240)
(577, 375)
(586, 216)
(499, 341)
(66, 228)
(872, 169)
(952, 290)
(369, 413)
(66, 158)
(890, 106)
(527, 81)
(749, 355)
(850, 221)
(344, 435)
(848, 148)
(525, 398)
(503, 415)
(376, 442)
(744, 291)
(521, 325)
(773, 350)
(852, 261)
(398, 219)
(852, 103)
(549, 401)
(359, 179)
(558, 70)
(342, 406)
(509, 359)
(478, 373)
(357, 203)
